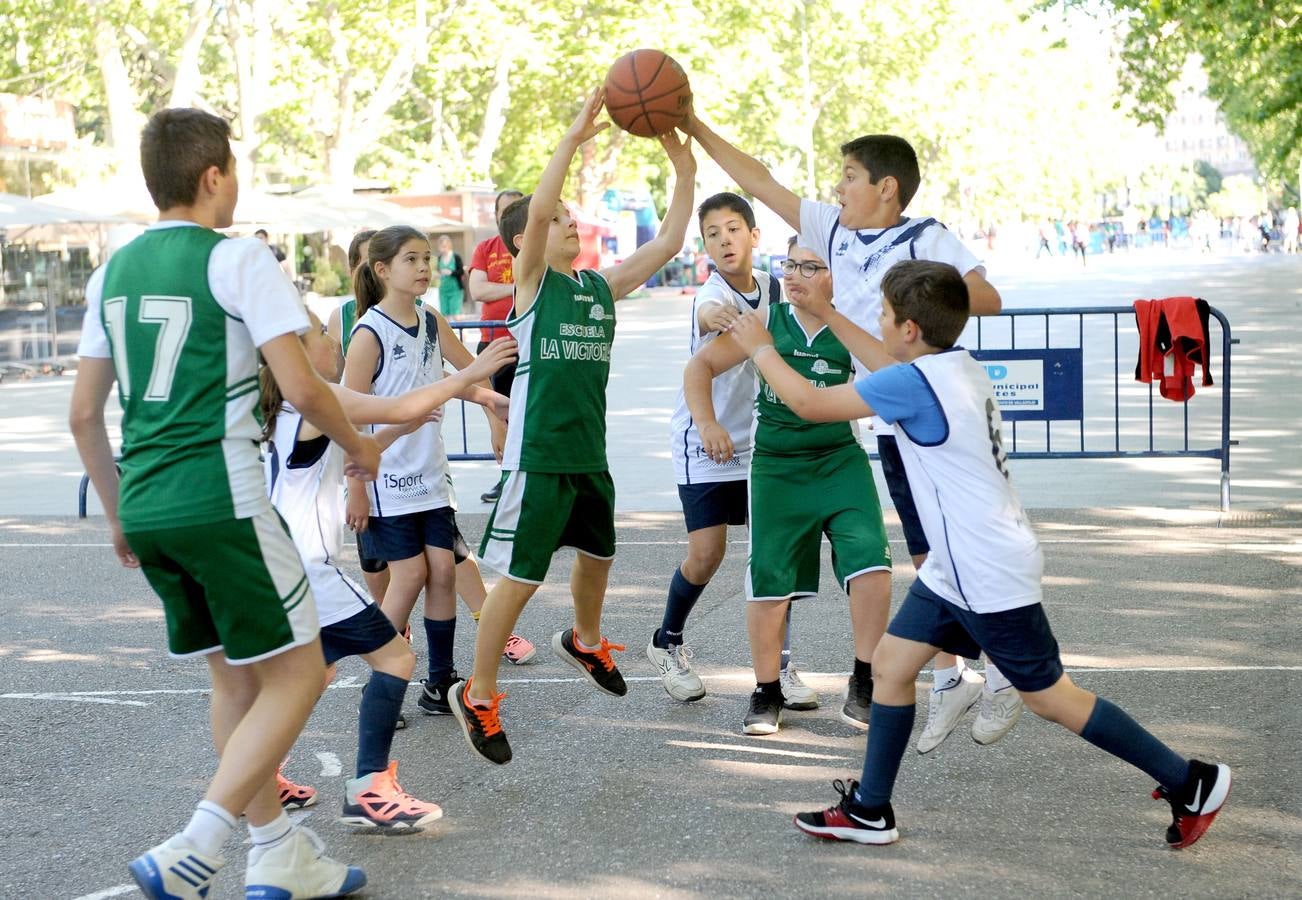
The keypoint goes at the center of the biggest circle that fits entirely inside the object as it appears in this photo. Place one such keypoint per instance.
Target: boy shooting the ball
(556, 488)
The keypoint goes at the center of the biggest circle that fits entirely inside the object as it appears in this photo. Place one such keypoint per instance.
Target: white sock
(209, 828)
(578, 642)
(944, 679)
(995, 680)
(265, 837)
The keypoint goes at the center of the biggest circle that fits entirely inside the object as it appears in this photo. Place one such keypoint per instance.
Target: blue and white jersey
(414, 472)
(733, 391)
(859, 259)
(984, 554)
(304, 480)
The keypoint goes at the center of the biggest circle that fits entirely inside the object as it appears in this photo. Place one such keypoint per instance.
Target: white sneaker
(676, 671)
(176, 870)
(798, 694)
(298, 869)
(946, 707)
(998, 714)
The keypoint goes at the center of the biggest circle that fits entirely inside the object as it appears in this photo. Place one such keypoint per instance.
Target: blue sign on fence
(1040, 384)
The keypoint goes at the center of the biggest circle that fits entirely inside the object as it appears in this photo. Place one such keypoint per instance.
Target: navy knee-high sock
(1110, 729)
(682, 597)
(440, 633)
(889, 729)
(381, 704)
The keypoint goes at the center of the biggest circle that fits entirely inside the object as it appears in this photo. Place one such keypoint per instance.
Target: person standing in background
(452, 274)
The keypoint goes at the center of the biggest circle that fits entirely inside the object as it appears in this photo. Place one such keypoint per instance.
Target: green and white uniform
(808, 479)
(180, 311)
(556, 488)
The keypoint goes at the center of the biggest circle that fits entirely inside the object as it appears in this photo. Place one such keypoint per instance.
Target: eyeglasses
(807, 269)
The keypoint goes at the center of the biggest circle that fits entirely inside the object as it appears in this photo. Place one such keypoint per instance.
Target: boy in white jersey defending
(979, 589)
(178, 318)
(713, 495)
(556, 487)
(861, 236)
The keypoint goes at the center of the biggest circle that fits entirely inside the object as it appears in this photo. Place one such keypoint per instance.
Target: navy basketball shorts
(408, 534)
(359, 634)
(897, 482)
(712, 503)
(1018, 641)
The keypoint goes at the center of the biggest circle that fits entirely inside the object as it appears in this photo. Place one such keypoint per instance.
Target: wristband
(759, 348)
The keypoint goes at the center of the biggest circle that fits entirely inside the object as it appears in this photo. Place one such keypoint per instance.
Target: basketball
(647, 93)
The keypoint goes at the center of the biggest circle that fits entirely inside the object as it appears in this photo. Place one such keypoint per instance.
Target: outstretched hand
(679, 151)
(750, 334)
(586, 126)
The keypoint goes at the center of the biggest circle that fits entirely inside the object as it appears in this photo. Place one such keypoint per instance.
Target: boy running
(556, 485)
(860, 237)
(178, 318)
(979, 589)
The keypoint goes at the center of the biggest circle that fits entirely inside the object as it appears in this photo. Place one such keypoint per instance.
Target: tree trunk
(125, 118)
(499, 98)
(186, 79)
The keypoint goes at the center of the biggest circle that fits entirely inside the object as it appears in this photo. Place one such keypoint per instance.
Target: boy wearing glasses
(806, 479)
(861, 237)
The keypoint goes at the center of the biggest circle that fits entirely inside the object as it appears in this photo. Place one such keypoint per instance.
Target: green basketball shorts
(235, 586)
(540, 512)
(793, 503)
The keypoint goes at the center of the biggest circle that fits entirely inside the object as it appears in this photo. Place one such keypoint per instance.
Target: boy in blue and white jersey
(979, 589)
(713, 495)
(861, 237)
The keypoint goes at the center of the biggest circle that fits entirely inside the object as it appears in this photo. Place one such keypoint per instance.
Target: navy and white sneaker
(848, 821)
(1195, 805)
(174, 871)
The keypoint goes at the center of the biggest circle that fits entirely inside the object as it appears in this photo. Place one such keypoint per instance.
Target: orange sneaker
(293, 796)
(481, 725)
(378, 801)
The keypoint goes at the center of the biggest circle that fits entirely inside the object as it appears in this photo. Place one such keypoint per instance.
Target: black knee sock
(440, 635)
(682, 597)
(1110, 729)
(381, 704)
(889, 729)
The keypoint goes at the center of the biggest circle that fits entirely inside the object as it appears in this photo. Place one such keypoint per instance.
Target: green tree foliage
(1251, 51)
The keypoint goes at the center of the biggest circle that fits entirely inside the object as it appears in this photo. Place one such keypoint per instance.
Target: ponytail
(270, 402)
(383, 247)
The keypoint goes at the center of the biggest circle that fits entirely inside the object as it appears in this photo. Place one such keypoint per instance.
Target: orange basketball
(647, 93)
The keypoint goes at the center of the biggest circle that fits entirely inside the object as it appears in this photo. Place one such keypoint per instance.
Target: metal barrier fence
(1057, 338)
(1051, 360)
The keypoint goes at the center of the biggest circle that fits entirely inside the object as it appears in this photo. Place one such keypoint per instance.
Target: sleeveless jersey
(308, 494)
(733, 392)
(823, 361)
(347, 322)
(984, 555)
(558, 400)
(187, 372)
(414, 472)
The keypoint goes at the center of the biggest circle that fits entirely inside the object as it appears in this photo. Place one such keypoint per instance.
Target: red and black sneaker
(481, 724)
(596, 666)
(1196, 804)
(848, 821)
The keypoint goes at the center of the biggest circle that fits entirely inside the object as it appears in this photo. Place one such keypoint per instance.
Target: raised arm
(862, 345)
(751, 175)
(648, 259)
(833, 404)
(713, 359)
(531, 260)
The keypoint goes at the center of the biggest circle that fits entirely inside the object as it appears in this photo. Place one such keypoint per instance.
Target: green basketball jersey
(347, 321)
(188, 382)
(824, 362)
(558, 400)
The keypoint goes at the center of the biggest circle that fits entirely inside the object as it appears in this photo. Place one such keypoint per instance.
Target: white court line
(330, 765)
(797, 754)
(731, 676)
(110, 892)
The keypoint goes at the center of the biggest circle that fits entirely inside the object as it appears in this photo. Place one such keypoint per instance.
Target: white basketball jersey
(308, 494)
(984, 555)
(414, 472)
(733, 391)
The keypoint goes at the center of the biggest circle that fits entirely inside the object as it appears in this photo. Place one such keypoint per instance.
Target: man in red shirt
(492, 286)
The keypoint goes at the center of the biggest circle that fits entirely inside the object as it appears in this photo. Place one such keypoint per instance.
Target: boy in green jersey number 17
(178, 318)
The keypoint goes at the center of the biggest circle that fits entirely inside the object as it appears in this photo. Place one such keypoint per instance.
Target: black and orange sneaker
(1196, 804)
(481, 724)
(848, 821)
(597, 666)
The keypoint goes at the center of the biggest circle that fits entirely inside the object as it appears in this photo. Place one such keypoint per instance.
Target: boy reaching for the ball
(556, 486)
